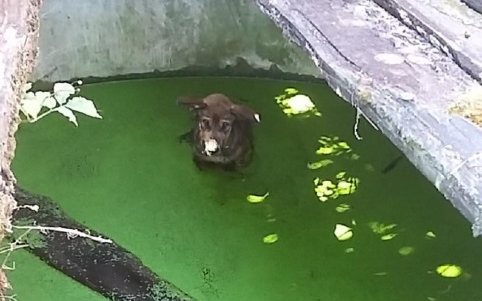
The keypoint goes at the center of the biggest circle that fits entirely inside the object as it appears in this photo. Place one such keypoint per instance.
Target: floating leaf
(270, 238)
(342, 208)
(406, 251)
(380, 228)
(257, 198)
(328, 183)
(340, 175)
(349, 250)
(449, 270)
(324, 150)
(291, 91)
(316, 181)
(322, 191)
(354, 157)
(83, 105)
(343, 232)
(381, 274)
(430, 234)
(344, 185)
(299, 103)
(62, 91)
(319, 164)
(67, 113)
(323, 198)
(388, 236)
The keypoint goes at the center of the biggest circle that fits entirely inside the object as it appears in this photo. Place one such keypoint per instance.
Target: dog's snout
(211, 146)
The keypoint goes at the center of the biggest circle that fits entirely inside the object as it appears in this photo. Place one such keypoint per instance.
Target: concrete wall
(118, 37)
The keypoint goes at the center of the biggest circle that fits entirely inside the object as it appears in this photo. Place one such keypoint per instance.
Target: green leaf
(83, 105)
(343, 232)
(319, 164)
(291, 91)
(62, 91)
(406, 251)
(342, 208)
(26, 87)
(67, 113)
(388, 236)
(257, 198)
(46, 99)
(270, 238)
(324, 151)
(31, 105)
(449, 270)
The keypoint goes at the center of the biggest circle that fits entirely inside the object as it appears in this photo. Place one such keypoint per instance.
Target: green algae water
(128, 177)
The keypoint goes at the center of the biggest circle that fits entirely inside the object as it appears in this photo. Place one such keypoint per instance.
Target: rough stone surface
(474, 4)
(18, 49)
(399, 81)
(449, 26)
(91, 38)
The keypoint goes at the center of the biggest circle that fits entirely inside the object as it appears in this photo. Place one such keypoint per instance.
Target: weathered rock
(18, 51)
(450, 26)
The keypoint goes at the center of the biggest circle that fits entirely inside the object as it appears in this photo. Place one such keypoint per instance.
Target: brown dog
(223, 133)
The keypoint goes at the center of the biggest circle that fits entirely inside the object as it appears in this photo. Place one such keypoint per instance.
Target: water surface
(128, 177)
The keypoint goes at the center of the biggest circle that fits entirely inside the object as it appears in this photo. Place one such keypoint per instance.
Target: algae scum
(317, 216)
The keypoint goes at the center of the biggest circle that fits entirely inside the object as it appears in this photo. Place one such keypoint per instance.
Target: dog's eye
(205, 123)
(225, 125)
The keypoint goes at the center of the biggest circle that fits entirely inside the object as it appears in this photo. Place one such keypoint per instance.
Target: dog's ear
(192, 103)
(245, 113)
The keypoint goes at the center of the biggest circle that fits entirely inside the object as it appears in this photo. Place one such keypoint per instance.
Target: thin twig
(355, 127)
(71, 233)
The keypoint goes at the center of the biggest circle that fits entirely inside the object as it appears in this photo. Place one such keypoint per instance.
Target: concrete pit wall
(93, 38)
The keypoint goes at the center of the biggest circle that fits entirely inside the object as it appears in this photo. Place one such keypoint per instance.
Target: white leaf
(45, 99)
(67, 113)
(62, 91)
(31, 104)
(83, 105)
(49, 102)
(27, 87)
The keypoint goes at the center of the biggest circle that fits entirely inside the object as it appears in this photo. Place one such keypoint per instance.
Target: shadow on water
(319, 215)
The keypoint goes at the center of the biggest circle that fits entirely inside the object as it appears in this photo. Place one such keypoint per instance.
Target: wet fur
(230, 124)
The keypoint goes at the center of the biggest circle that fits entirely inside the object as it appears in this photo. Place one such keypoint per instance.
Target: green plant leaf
(83, 105)
(343, 232)
(62, 91)
(449, 270)
(257, 198)
(31, 105)
(342, 208)
(291, 91)
(26, 87)
(270, 238)
(45, 98)
(67, 113)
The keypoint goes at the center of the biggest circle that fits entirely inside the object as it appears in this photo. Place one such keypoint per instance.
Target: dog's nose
(211, 147)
